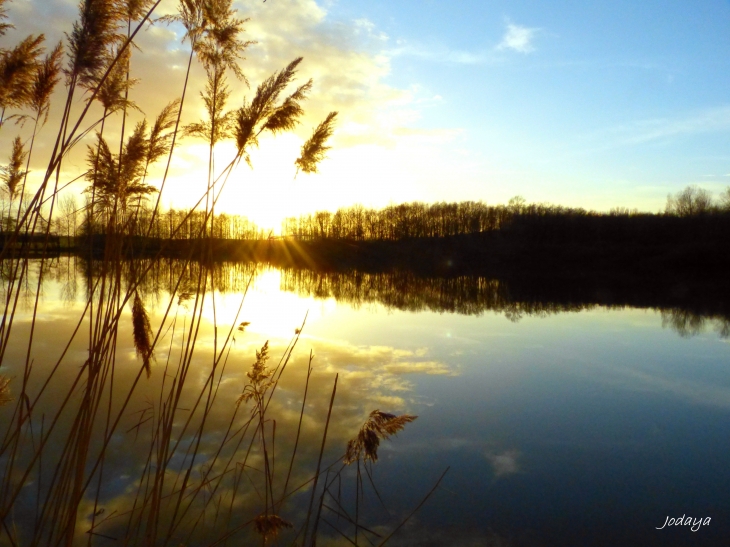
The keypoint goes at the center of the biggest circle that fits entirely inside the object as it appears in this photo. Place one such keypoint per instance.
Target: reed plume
(160, 134)
(90, 39)
(12, 174)
(142, 333)
(313, 151)
(47, 76)
(270, 525)
(379, 425)
(4, 27)
(264, 114)
(217, 127)
(286, 116)
(17, 73)
(113, 91)
(190, 15)
(220, 48)
(259, 378)
(5, 396)
(134, 10)
(119, 180)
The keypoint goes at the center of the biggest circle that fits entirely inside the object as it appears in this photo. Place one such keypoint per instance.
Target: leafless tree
(693, 200)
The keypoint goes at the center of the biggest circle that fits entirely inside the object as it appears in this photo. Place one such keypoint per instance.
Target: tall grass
(201, 480)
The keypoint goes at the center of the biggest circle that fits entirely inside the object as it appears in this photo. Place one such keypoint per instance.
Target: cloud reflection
(504, 463)
(221, 493)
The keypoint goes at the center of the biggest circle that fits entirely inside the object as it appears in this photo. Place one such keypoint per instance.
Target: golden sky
(592, 106)
(375, 157)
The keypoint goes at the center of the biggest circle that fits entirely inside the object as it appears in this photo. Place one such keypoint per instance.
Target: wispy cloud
(440, 54)
(658, 131)
(518, 38)
(705, 121)
(504, 463)
(655, 131)
(699, 393)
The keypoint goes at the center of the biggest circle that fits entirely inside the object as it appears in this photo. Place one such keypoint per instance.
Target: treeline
(408, 220)
(183, 224)
(691, 212)
(74, 220)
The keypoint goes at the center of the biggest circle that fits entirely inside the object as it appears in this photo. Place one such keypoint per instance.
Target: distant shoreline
(480, 253)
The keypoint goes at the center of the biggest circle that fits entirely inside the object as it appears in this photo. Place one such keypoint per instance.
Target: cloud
(440, 54)
(518, 38)
(659, 130)
(690, 391)
(504, 463)
(365, 384)
(704, 121)
(344, 58)
(380, 133)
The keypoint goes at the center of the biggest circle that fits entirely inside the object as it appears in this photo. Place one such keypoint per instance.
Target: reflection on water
(407, 291)
(686, 323)
(556, 426)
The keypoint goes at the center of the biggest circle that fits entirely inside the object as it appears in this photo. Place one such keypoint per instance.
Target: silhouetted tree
(725, 200)
(693, 200)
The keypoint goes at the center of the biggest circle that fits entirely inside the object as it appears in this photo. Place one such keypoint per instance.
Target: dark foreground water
(560, 423)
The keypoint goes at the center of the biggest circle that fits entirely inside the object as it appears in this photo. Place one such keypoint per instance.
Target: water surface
(561, 422)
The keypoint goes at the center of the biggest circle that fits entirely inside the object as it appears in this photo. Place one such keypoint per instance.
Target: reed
(208, 467)
(204, 475)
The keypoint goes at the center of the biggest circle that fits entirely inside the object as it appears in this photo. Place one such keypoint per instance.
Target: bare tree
(69, 214)
(693, 200)
(725, 200)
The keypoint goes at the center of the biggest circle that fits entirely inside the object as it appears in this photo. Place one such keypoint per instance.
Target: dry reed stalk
(314, 149)
(5, 396)
(108, 297)
(142, 333)
(270, 525)
(17, 71)
(13, 174)
(319, 460)
(379, 425)
(299, 429)
(415, 510)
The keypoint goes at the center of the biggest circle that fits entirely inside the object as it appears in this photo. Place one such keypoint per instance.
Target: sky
(589, 104)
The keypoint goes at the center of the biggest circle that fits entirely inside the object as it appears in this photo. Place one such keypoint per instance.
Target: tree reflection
(397, 289)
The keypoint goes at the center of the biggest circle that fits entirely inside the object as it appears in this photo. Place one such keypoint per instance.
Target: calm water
(560, 423)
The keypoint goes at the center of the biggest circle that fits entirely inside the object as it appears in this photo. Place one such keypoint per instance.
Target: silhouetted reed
(379, 425)
(203, 469)
(5, 396)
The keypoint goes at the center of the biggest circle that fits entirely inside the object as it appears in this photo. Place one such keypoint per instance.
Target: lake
(584, 420)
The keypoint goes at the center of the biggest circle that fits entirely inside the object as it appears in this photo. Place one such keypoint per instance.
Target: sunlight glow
(270, 311)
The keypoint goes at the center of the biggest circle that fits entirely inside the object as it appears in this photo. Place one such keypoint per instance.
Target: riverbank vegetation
(180, 438)
(692, 229)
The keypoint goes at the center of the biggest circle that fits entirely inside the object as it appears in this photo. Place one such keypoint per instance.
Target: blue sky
(593, 104)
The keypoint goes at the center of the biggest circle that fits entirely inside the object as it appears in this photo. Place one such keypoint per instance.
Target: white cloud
(709, 120)
(350, 64)
(441, 54)
(662, 130)
(504, 463)
(518, 38)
